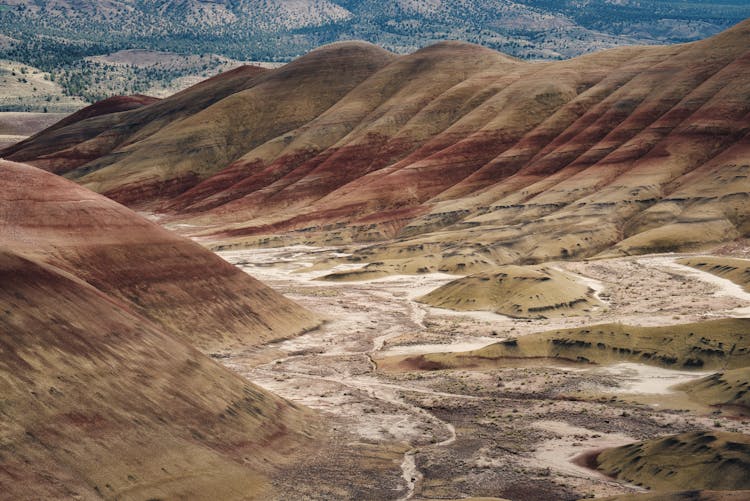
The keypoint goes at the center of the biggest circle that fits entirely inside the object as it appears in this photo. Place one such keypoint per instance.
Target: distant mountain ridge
(536, 28)
(71, 40)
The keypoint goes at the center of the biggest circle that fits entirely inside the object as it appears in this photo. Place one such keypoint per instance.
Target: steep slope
(276, 104)
(61, 149)
(114, 104)
(103, 394)
(202, 128)
(98, 402)
(453, 148)
(184, 289)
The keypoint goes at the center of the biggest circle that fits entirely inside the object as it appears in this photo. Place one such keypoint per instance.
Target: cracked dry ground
(508, 433)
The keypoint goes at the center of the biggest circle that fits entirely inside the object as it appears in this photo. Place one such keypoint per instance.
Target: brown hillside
(63, 149)
(183, 288)
(103, 394)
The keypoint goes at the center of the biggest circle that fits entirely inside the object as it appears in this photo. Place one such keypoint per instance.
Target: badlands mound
(698, 460)
(458, 262)
(517, 291)
(102, 394)
(715, 344)
(453, 147)
(728, 388)
(99, 402)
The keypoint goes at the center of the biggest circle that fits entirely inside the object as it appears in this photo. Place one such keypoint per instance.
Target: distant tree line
(257, 30)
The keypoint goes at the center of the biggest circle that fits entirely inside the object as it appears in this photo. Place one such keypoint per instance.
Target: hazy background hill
(66, 39)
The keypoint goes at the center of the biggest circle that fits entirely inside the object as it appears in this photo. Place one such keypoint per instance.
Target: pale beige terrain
(17, 126)
(506, 431)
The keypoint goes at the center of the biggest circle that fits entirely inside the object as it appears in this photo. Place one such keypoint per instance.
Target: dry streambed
(509, 431)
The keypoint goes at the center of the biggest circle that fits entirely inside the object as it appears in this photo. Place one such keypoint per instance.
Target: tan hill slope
(516, 291)
(717, 461)
(103, 395)
(99, 129)
(454, 147)
(163, 149)
(185, 289)
(728, 388)
(714, 344)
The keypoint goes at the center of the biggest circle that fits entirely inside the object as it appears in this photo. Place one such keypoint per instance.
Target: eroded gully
(332, 369)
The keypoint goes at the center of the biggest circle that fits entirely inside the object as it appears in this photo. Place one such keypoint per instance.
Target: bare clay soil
(508, 433)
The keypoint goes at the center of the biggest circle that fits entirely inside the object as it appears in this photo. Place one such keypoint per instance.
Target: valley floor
(508, 432)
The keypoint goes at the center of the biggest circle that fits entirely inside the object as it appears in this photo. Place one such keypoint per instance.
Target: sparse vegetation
(60, 38)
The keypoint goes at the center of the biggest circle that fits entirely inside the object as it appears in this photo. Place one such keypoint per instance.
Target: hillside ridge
(456, 146)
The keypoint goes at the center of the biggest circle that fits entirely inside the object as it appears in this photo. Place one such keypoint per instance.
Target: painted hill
(102, 394)
(95, 132)
(184, 289)
(98, 402)
(453, 148)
